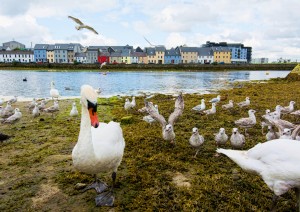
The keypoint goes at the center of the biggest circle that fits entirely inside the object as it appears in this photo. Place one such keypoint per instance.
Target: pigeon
(82, 25)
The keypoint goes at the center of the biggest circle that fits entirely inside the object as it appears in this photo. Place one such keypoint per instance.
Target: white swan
(53, 92)
(99, 149)
(276, 161)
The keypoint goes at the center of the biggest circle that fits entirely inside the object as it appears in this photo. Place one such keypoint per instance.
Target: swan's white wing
(153, 113)
(91, 29)
(179, 106)
(76, 20)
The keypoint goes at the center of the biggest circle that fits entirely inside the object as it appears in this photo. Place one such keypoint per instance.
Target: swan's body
(98, 149)
(53, 92)
(201, 107)
(196, 140)
(276, 161)
(74, 111)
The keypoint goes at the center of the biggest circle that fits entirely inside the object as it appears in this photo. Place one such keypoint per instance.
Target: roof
(188, 49)
(205, 51)
(13, 42)
(138, 54)
(77, 54)
(16, 52)
(220, 49)
(172, 52)
(41, 46)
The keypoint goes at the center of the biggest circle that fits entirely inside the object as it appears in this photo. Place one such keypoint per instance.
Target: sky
(270, 27)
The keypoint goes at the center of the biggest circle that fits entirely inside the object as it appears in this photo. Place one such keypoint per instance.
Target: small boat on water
(25, 79)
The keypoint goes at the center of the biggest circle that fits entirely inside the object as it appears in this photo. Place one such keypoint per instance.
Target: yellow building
(50, 54)
(188, 54)
(222, 54)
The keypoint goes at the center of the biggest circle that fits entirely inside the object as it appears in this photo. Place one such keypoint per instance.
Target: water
(123, 83)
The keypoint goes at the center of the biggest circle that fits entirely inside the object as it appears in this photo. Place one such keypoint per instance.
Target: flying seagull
(151, 43)
(82, 25)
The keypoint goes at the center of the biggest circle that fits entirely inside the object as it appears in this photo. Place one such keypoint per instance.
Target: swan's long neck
(85, 134)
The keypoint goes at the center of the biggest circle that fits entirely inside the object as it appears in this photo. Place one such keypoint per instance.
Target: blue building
(172, 56)
(238, 53)
(40, 53)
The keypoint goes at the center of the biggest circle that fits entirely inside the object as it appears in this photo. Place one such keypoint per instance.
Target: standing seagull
(167, 127)
(74, 111)
(196, 140)
(215, 100)
(82, 25)
(201, 107)
(247, 122)
(237, 140)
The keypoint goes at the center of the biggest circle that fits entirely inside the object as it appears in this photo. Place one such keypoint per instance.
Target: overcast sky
(270, 27)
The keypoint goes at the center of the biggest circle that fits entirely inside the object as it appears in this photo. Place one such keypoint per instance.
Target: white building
(18, 56)
(80, 57)
(259, 60)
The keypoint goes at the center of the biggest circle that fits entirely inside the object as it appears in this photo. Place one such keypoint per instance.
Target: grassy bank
(36, 171)
(138, 67)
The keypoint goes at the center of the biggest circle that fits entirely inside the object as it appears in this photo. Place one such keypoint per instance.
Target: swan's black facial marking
(92, 105)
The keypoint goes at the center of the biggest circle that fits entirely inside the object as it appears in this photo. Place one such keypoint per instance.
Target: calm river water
(123, 83)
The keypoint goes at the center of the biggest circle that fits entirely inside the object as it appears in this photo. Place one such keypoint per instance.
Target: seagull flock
(100, 146)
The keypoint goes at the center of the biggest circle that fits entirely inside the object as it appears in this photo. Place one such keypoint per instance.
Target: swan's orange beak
(93, 114)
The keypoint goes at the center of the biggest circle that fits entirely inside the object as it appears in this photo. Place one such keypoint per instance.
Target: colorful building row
(69, 53)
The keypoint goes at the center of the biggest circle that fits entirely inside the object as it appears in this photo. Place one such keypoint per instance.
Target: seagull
(98, 91)
(277, 111)
(237, 140)
(129, 105)
(52, 109)
(167, 127)
(247, 122)
(286, 134)
(53, 92)
(288, 109)
(31, 105)
(276, 162)
(36, 111)
(149, 118)
(74, 111)
(221, 137)
(228, 106)
(295, 113)
(42, 105)
(244, 103)
(201, 107)
(271, 135)
(151, 43)
(265, 123)
(82, 25)
(280, 123)
(13, 118)
(102, 64)
(13, 100)
(215, 100)
(196, 140)
(211, 111)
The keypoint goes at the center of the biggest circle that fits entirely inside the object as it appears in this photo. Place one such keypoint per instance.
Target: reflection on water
(123, 83)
